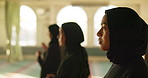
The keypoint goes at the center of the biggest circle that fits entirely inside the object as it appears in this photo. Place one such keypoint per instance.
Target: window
(27, 26)
(74, 14)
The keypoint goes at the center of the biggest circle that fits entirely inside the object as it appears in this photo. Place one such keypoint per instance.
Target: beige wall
(2, 24)
(53, 7)
(144, 10)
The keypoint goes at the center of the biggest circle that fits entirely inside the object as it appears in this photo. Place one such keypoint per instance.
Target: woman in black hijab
(124, 35)
(75, 64)
(52, 57)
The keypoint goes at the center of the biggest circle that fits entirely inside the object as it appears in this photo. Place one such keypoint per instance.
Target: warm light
(40, 11)
(96, 77)
(8, 52)
(13, 34)
(15, 75)
(7, 41)
(143, 56)
(97, 21)
(2, 76)
(28, 25)
(74, 14)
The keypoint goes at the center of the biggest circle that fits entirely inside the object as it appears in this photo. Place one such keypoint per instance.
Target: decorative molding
(90, 3)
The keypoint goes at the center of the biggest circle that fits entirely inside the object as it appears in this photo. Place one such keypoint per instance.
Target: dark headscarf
(54, 31)
(128, 35)
(73, 33)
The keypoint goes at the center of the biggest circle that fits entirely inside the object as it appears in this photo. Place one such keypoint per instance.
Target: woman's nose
(99, 33)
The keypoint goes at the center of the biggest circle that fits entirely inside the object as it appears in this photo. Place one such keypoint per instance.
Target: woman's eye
(104, 28)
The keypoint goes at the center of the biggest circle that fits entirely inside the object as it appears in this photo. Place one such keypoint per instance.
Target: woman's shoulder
(135, 70)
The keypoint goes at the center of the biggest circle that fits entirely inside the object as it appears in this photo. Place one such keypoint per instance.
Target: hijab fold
(128, 35)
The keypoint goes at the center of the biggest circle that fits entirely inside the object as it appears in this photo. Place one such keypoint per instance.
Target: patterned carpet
(31, 69)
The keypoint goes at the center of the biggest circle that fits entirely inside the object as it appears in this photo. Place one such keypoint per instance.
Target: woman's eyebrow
(104, 23)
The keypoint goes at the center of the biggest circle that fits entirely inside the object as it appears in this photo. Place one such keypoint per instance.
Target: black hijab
(74, 35)
(54, 31)
(128, 35)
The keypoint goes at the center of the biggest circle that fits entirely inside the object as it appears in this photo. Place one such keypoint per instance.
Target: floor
(31, 69)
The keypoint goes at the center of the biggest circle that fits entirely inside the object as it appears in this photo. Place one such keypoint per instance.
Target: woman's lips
(100, 41)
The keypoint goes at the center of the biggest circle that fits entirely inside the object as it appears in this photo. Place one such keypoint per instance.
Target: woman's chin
(103, 48)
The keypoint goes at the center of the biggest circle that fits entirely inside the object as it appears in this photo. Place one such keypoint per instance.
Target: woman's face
(62, 37)
(50, 35)
(103, 34)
